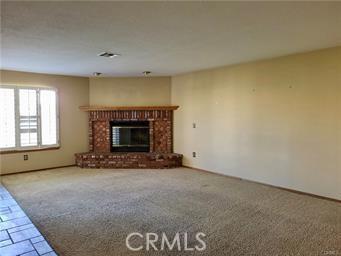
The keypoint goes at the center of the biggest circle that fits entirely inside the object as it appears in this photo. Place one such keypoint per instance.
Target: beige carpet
(90, 212)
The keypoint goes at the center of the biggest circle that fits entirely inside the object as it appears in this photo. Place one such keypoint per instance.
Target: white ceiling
(165, 37)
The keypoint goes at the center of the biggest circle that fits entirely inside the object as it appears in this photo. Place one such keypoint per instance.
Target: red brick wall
(161, 122)
(101, 136)
(162, 136)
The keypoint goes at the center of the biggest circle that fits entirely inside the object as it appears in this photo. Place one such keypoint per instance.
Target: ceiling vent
(108, 54)
(146, 73)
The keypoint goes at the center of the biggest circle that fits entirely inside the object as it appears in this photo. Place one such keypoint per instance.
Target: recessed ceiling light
(108, 54)
(146, 73)
(97, 73)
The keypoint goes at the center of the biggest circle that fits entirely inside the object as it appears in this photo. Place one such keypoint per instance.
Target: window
(7, 118)
(28, 118)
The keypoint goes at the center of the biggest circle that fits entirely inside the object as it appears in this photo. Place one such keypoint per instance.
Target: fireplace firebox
(129, 136)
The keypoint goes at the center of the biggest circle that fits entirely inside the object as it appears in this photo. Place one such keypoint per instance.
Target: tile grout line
(18, 247)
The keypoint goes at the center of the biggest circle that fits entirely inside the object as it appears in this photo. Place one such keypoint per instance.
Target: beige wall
(275, 121)
(135, 91)
(73, 92)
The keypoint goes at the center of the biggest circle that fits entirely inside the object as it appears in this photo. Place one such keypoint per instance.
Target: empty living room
(170, 128)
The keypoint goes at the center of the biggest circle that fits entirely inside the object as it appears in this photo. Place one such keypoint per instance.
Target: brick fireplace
(109, 138)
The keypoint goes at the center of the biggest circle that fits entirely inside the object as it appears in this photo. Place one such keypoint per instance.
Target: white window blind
(7, 118)
(48, 117)
(28, 118)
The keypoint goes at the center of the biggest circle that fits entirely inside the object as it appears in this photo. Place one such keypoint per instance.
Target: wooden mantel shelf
(113, 108)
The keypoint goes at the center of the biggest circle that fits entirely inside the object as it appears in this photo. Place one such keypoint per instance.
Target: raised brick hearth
(160, 139)
(129, 160)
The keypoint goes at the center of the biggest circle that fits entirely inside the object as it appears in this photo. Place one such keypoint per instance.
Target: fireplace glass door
(129, 136)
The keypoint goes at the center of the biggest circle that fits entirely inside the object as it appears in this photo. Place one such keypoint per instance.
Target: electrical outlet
(194, 125)
(25, 157)
(194, 154)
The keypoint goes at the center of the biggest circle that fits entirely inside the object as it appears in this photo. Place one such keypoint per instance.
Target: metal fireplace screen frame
(129, 136)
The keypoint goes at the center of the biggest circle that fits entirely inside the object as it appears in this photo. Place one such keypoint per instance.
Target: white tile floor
(18, 236)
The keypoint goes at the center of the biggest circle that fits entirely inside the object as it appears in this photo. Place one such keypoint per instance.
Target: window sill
(27, 150)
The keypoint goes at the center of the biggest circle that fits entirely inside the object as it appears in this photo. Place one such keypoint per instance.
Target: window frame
(17, 147)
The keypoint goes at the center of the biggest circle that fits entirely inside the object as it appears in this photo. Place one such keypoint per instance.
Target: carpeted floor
(90, 212)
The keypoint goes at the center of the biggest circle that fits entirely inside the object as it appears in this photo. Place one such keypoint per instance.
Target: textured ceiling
(165, 37)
